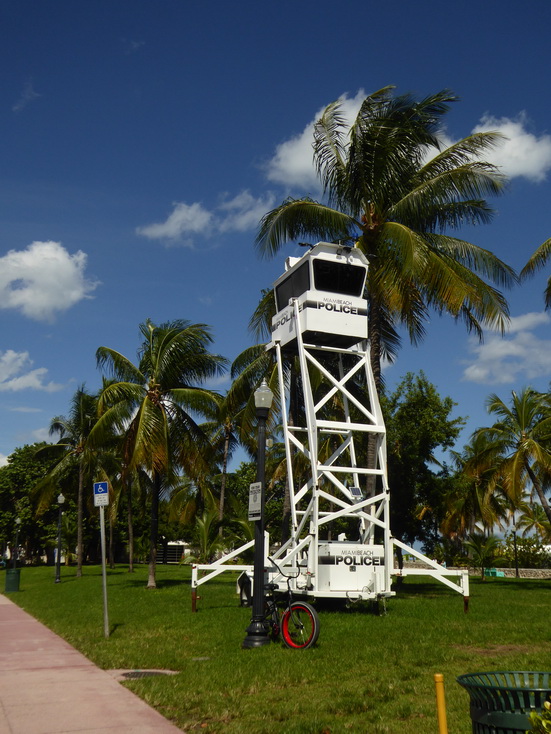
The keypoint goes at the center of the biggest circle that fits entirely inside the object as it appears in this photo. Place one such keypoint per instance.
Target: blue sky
(141, 142)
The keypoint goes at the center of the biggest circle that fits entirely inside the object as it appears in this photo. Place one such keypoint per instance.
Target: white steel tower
(331, 426)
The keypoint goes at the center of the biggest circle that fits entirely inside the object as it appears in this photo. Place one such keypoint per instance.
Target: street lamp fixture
(257, 632)
(60, 501)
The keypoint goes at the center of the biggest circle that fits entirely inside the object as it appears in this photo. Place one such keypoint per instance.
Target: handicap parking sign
(101, 494)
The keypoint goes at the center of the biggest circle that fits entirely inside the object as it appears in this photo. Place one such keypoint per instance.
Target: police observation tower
(334, 436)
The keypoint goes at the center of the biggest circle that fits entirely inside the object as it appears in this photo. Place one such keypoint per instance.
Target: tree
(207, 542)
(385, 196)
(477, 495)
(522, 437)
(534, 520)
(482, 550)
(73, 451)
(418, 423)
(17, 481)
(222, 434)
(154, 403)
(535, 263)
(527, 552)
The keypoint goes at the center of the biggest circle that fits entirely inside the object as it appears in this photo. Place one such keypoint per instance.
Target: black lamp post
(16, 545)
(257, 633)
(60, 501)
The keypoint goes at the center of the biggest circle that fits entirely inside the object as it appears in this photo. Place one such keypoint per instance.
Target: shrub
(530, 551)
(541, 723)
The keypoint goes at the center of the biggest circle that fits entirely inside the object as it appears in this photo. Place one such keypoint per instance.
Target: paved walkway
(47, 687)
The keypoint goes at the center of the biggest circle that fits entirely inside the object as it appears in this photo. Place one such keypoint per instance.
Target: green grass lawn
(368, 674)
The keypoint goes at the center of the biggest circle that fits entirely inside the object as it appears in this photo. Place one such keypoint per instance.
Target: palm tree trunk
(227, 432)
(80, 516)
(156, 491)
(130, 527)
(374, 340)
(539, 491)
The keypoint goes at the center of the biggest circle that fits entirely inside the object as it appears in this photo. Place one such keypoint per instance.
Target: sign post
(101, 500)
(255, 501)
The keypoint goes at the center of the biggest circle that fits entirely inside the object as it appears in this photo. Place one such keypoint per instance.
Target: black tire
(300, 626)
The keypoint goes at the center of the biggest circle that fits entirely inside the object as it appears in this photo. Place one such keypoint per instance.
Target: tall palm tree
(387, 198)
(73, 449)
(522, 436)
(155, 401)
(222, 433)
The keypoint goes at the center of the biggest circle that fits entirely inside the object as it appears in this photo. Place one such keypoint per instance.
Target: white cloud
(25, 409)
(15, 374)
(27, 96)
(519, 355)
(528, 321)
(3, 460)
(243, 212)
(43, 280)
(186, 221)
(41, 435)
(292, 164)
(523, 153)
(131, 47)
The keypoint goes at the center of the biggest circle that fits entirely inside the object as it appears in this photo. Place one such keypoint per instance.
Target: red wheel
(300, 626)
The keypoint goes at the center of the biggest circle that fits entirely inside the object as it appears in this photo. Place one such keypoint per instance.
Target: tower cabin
(328, 283)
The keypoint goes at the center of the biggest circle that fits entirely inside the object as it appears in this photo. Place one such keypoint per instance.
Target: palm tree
(395, 205)
(535, 263)
(154, 403)
(73, 449)
(477, 495)
(534, 520)
(248, 370)
(222, 434)
(522, 436)
(482, 550)
(207, 541)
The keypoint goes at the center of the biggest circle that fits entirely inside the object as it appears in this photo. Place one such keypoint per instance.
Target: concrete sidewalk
(47, 687)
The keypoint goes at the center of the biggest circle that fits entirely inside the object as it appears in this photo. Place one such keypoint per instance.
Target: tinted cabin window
(348, 280)
(293, 286)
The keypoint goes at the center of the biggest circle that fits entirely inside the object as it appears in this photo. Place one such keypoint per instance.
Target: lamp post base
(257, 635)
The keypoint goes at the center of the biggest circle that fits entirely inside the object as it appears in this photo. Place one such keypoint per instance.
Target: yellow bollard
(440, 703)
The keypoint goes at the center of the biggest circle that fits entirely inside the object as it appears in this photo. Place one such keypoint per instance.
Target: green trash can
(13, 576)
(502, 701)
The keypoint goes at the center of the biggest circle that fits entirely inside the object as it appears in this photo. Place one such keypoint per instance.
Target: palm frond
(330, 148)
(535, 263)
(299, 218)
(118, 365)
(260, 324)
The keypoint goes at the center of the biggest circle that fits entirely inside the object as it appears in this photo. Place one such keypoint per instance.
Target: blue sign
(101, 494)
